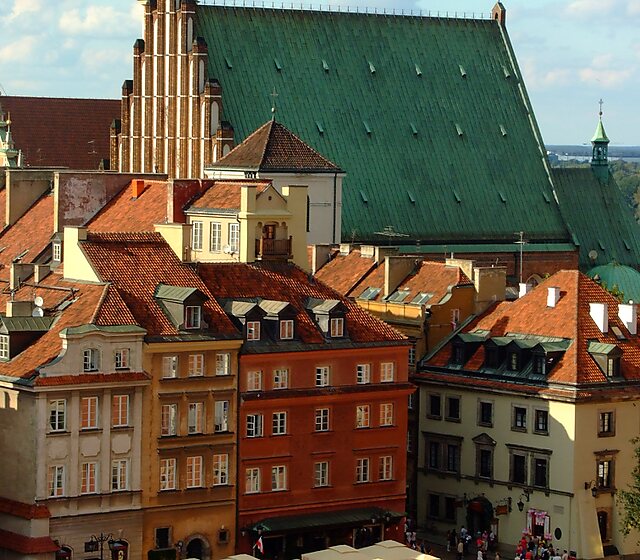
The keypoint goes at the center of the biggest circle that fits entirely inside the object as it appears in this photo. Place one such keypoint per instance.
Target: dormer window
(57, 251)
(613, 367)
(459, 355)
(337, 327)
(253, 330)
(514, 361)
(192, 316)
(91, 359)
(607, 356)
(539, 365)
(4, 347)
(286, 329)
(122, 358)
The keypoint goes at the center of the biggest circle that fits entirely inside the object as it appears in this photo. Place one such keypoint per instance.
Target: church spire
(600, 146)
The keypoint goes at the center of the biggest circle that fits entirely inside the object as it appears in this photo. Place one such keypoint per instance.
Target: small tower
(599, 154)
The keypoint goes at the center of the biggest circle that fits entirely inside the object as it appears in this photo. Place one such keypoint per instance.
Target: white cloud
(633, 7)
(100, 61)
(98, 20)
(606, 78)
(22, 7)
(588, 8)
(537, 79)
(19, 50)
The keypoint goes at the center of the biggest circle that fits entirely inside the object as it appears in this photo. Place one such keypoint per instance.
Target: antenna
(390, 233)
(274, 95)
(522, 242)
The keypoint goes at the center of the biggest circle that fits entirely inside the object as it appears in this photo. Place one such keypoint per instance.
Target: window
(541, 422)
(540, 471)
(453, 408)
(278, 478)
(321, 474)
(605, 473)
(322, 376)
(386, 414)
(362, 416)
(253, 330)
(518, 468)
(91, 359)
(435, 407)
(453, 458)
(279, 423)
(433, 458)
(254, 381)
(613, 366)
(386, 372)
(254, 425)
(363, 374)
(514, 361)
(539, 363)
(412, 355)
(196, 365)
(169, 366)
(220, 469)
(120, 474)
(606, 426)
(322, 420)
(194, 471)
(169, 420)
(443, 454)
(196, 236)
(89, 477)
(362, 470)
(449, 508)
(337, 327)
(57, 251)
(459, 356)
(4, 347)
(252, 481)
(221, 420)
(385, 468)
(215, 240)
(519, 419)
(223, 363)
(88, 413)
(281, 378)
(192, 317)
(167, 474)
(234, 237)
(286, 329)
(162, 537)
(485, 413)
(57, 415)
(119, 411)
(122, 358)
(413, 397)
(434, 505)
(195, 419)
(56, 481)
(455, 318)
(485, 463)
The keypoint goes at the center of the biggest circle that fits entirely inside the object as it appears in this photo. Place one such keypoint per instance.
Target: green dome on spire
(600, 135)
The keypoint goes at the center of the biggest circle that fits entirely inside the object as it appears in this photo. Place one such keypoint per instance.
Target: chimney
(320, 254)
(628, 314)
(19, 273)
(19, 308)
(524, 289)
(345, 249)
(137, 187)
(600, 314)
(40, 272)
(396, 269)
(553, 296)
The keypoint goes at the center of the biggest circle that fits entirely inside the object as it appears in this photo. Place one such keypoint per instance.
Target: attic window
(253, 330)
(277, 64)
(286, 329)
(613, 366)
(626, 244)
(337, 327)
(364, 197)
(192, 316)
(325, 66)
(506, 72)
(421, 298)
(606, 356)
(514, 361)
(414, 129)
(372, 68)
(458, 199)
(91, 359)
(411, 197)
(601, 245)
(546, 197)
(320, 127)
(418, 71)
(618, 333)
(459, 355)
(502, 197)
(369, 294)
(503, 130)
(4, 347)
(463, 72)
(366, 127)
(459, 130)
(228, 62)
(399, 296)
(57, 251)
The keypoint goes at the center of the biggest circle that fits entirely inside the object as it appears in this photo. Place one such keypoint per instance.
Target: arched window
(201, 76)
(215, 118)
(189, 34)
(64, 553)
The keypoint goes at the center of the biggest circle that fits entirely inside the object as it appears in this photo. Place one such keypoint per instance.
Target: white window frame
(279, 423)
(386, 414)
(321, 474)
(215, 237)
(169, 420)
(57, 481)
(253, 330)
(4, 347)
(252, 480)
(220, 469)
(278, 478)
(58, 415)
(91, 359)
(192, 316)
(195, 418)
(234, 237)
(121, 358)
(56, 251)
(286, 329)
(254, 380)
(363, 416)
(385, 468)
(323, 374)
(195, 365)
(92, 410)
(119, 475)
(196, 235)
(223, 363)
(168, 474)
(170, 367)
(336, 327)
(89, 478)
(322, 419)
(194, 471)
(363, 374)
(255, 425)
(281, 378)
(221, 416)
(387, 372)
(362, 470)
(121, 418)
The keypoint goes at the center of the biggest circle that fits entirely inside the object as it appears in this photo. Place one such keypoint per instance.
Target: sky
(571, 53)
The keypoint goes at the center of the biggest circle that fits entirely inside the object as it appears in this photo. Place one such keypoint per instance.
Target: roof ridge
(268, 125)
(287, 130)
(99, 303)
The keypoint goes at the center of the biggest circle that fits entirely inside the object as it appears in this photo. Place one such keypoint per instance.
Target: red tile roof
(70, 133)
(135, 263)
(569, 319)
(112, 310)
(226, 194)
(286, 282)
(26, 545)
(343, 272)
(26, 511)
(273, 147)
(90, 378)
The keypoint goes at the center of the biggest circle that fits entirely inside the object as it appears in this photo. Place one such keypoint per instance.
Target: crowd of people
(461, 543)
(537, 548)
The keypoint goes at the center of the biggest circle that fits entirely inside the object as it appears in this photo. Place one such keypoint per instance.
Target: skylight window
(418, 71)
(618, 333)
(411, 197)
(278, 65)
(458, 199)
(320, 127)
(369, 294)
(228, 62)
(421, 298)
(325, 66)
(459, 130)
(502, 197)
(367, 127)
(414, 129)
(546, 197)
(399, 296)
(363, 195)
(626, 244)
(506, 72)
(503, 130)
(601, 245)
(372, 68)
(463, 72)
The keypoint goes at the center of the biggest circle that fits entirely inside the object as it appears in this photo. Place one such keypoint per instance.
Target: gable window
(286, 329)
(363, 374)
(196, 365)
(122, 358)
(606, 426)
(215, 241)
(253, 330)
(254, 381)
(322, 376)
(169, 367)
(281, 378)
(192, 316)
(254, 425)
(196, 236)
(337, 327)
(88, 413)
(91, 359)
(519, 419)
(58, 415)
(223, 363)
(234, 237)
(386, 372)
(252, 481)
(119, 411)
(541, 425)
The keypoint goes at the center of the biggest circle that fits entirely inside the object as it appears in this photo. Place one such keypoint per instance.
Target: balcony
(273, 249)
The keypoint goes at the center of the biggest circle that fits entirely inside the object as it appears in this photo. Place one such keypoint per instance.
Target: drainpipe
(335, 205)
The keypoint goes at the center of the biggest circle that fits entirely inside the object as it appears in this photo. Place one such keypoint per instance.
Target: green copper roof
(600, 135)
(418, 111)
(601, 223)
(625, 278)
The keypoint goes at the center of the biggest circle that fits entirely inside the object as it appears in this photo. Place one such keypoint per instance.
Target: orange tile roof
(3, 205)
(226, 194)
(374, 279)
(286, 282)
(70, 133)
(135, 263)
(90, 378)
(569, 319)
(273, 147)
(26, 545)
(125, 213)
(343, 272)
(112, 310)
(26, 511)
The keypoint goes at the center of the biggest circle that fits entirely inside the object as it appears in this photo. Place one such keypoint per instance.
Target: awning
(325, 519)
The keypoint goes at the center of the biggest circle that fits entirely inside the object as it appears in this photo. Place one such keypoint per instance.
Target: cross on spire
(601, 103)
(274, 95)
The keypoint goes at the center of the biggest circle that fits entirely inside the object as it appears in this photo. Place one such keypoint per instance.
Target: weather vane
(601, 103)
(274, 95)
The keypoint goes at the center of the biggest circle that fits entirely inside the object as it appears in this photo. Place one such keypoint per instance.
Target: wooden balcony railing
(273, 248)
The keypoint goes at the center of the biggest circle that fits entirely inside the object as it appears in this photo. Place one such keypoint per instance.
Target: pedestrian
(452, 540)
(497, 556)
(480, 556)
(460, 549)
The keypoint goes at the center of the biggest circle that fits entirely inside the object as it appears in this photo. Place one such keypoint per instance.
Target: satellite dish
(37, 312)
(38, 301)
(593, 254)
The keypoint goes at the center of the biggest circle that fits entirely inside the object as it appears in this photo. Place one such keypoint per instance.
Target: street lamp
(594, 488)
(526, 494)
(99, 540)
